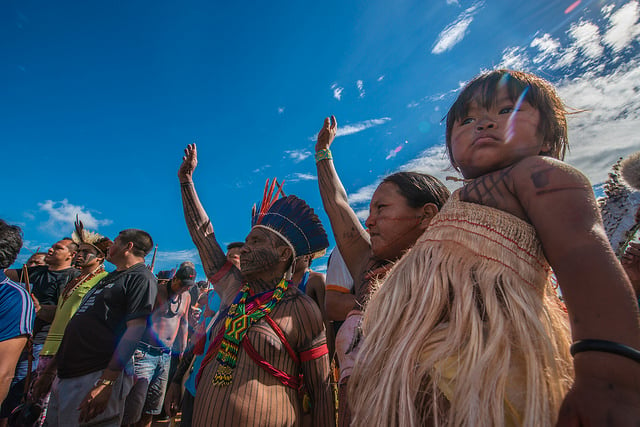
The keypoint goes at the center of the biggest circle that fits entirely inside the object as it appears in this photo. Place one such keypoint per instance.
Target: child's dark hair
(539, 93)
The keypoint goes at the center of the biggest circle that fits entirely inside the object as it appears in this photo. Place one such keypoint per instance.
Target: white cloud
(455, 32)
(609, 129)
(337, 91)
(298, 155)
(297, 177)
(359, 127)
(381, 78)
(587, 38)
(363, 195)
(63, 214)
(360, 86)
(356, 127)
(547, 46)
(515, 58)
(453, 2)
(623, 26)
(176, 257)
(261, 168)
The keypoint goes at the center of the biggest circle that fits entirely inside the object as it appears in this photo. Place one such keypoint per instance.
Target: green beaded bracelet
(323, 154)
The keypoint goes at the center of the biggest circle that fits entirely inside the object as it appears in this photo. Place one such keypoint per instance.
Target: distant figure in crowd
(340, 297)
(16, 309)
(208, 305)
(168, 330)
(92, 251)
(100, 339)
(468, 325)
(46, 283)
(281, 370)
(36, 259)
(401, 209)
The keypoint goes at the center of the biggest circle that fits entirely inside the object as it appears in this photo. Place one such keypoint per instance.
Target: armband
(323, 154)
(605, 347)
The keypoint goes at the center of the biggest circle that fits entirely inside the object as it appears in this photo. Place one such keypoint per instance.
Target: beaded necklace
(236, 325)
(75, 283)
(170, 301)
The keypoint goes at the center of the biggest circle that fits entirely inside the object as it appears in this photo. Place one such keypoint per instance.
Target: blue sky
(98, 99)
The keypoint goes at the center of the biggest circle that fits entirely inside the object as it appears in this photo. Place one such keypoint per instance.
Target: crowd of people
(502, 303)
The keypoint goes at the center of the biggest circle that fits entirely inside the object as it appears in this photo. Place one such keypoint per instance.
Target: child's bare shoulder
(541, 175)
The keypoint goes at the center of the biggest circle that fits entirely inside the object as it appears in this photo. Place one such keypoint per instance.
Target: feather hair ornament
(292, 219)
(621, 203)
(98, 241)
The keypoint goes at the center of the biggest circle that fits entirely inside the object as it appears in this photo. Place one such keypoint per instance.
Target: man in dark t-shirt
(100, 339)
(46, 282)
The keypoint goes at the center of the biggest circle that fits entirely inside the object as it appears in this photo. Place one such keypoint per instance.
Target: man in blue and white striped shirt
(16, 308)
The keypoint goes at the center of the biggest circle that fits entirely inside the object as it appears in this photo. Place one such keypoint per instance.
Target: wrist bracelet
(102, 381)
(606, 347)
(323, 154)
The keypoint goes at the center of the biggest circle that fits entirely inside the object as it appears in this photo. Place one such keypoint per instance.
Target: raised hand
(327, 133)
(189, 163)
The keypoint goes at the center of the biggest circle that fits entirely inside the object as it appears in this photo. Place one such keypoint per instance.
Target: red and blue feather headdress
(292, 219)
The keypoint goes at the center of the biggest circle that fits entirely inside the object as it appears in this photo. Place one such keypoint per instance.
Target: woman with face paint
(400, 211)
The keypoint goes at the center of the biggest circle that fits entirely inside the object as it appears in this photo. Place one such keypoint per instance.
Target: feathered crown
(292, 219)
(98, 241)
(621, 202)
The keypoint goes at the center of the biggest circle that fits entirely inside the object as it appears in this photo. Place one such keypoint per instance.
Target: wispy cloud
(453, 2)
(261, 168)
(608, 129)
(623, 26)
(359, 127)
(297, 177)
(360, 86)
(177, 257)
(280, 110)
(63, 214)
(356, 127)
(381, 78)
(363, 195)
(298, 155)
(337, 91)
(455, 32)
(586, 37)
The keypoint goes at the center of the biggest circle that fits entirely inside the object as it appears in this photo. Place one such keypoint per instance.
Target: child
(467, 328)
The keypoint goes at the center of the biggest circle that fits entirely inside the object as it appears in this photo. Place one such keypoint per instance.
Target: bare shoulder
(543, 175)
(299, 317)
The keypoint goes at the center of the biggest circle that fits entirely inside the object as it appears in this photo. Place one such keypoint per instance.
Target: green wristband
(323, 154)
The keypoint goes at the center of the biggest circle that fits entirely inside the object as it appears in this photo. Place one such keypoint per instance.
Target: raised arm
(198, 223)
(560, 203)
(350, 235)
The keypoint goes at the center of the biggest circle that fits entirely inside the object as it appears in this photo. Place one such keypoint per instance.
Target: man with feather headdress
(266, 362)
(92, 251)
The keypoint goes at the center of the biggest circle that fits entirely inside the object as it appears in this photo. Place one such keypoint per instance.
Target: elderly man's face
(259, 253)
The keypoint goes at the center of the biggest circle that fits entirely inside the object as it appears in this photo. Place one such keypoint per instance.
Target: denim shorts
(151, 372)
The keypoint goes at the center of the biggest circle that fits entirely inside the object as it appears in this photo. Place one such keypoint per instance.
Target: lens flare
(573, 6)
(512, 116)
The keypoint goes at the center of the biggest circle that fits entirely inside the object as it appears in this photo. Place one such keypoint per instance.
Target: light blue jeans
(151, 372)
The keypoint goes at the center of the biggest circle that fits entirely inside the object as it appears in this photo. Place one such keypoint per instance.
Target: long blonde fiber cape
(466, 329)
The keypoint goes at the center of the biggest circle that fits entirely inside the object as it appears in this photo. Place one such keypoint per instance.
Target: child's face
(490, 139)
